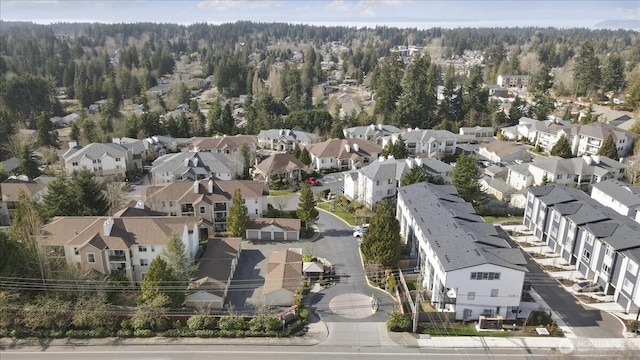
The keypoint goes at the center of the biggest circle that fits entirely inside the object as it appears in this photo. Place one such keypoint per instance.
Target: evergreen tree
(227, 123)
(238, 219)
(562, 148)
(613, 73)
(515, 110)
(213, 117)
(465, 177)
(26, 164)
(77, 195)
(388, 87)
(47, 136)
(336, 130)
(542, 101)
(178, 259)
(474, 96)
(296, 151)
(305, 157)
(567, 114)
(609, 149)
(307, 212)
(545, 179)
(381, 241)
(450, 106)
(397, 148)
(415, 175)
(588, 116)
(416, 105)
(586, 71)
(160, 280)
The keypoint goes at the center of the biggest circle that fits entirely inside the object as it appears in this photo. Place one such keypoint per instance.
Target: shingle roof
(223, 142)
(215, 265)
(386, 169)
(279, 164)
(185, 163)
(622, 192)
(619, 231)
(503, 148)
(449, 225)
(285, 224)
(284, 271)
(182, 191)
(11, 189)
(371, 131)
(336, 148)
(296, 135)
(95, 151)
(586, 165)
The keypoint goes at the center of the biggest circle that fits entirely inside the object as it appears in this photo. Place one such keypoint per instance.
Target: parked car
(359, 230)
(313, 181)
(585, 286)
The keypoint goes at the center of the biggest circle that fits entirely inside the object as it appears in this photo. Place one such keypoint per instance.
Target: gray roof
(459, 237)
(620, 191)
(184, 164)
(95, 151)
(371, 131)
(386, 169)
(619, 231)
(435, 166)
(586, 165)
(10, 164)
(429, 135)
(296, 135)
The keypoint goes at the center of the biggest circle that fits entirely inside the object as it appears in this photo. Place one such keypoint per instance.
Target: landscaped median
(338, 211)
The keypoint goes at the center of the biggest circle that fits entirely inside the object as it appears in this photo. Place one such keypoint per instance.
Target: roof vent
(139, 204)
(356, 147)
(347, 148)
(108, 225)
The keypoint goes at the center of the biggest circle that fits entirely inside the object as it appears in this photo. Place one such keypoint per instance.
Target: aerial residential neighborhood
(391, 191)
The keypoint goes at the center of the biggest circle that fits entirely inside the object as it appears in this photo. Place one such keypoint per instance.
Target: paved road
(584, 321)
(197, 352)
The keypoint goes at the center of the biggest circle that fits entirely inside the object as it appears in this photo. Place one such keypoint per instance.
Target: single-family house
(466, 267)
(600, 243)
(210, 284)
(274, 229)
(343, 154)
(225, 144)
(209, 201)
(285, 139)
(284, 276)
(373, 132)
(279, 166)
(107, 245)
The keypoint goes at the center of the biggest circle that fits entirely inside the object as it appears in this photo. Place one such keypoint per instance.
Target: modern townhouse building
(196, 166)
(618, 195)
(104, 160)
(285, 139)
(513, 81)
(125, 245)
(601, 244)
(527, 128)
(376, 181)
(464, 265)
(209, 201)
(343, 154)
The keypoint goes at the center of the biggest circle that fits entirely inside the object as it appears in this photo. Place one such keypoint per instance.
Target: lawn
(279, 192)
(467, 330)
(339, 211)
(503, 219)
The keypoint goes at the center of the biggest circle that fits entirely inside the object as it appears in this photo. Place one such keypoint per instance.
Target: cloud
(232, 5)
(363, 8)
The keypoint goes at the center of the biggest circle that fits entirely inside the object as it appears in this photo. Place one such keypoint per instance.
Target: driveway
(584, 321)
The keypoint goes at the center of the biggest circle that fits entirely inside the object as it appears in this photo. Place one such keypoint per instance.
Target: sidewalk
(564, 345)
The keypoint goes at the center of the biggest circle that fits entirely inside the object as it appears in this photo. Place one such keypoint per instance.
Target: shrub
(171, 333)
(143, 333)
(177, 324)
(200, 322)
(162, 324)
(126, 324)
(99, 332)
(125, 333)
(186, 332)
(398, 322)
(232, 323)
(304, 314)
(633, 326)
(56, 334)
(78, 334)
(205, 333)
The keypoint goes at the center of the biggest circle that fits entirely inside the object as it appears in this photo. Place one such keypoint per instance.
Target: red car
(313, 181)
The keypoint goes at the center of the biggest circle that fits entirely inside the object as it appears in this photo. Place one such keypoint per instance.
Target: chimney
(116, 140)
(596, 159)
(587, 159)
(195, 161)
(186, 162)
(139, 204)
(356, 147)
(210, 186)
(380, 127)
(72, 144)
(108, 225)
(381, 158)
(347, 148)
(372, 127)
(196, 187)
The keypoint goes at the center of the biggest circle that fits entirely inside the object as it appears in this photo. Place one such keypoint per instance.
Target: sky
(396, 13)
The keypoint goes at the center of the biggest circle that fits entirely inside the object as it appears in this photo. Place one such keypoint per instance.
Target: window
(608, 252)
(377, 182)
(494, 292)
(632, 267)
(554, 232)
(556, 216)
(75, 163)
(117, 159)
(485, 276)
(390, 181)
(471, 295)
(627, 286)
(75, 251)
(590, 239)
(256, 211)
(142, 249)
(91, 258)
(201, 209)
(144, 262)
(586, 256)
(606, 269)
(153, 249)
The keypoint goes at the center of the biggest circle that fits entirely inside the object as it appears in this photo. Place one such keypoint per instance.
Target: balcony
(449, 297)
(220, 207)
(117, 258)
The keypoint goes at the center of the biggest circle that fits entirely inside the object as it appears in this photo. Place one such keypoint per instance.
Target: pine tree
(613, 73)
(160, 280)
(178, 259)
(388, 87)
(586, 71)
(545, 179)
(608, 148)
(465, 177)
(562, 148)
(90, 192)
(307, 212)
(397, 148)
(416, 105)
(415, 175)
(238, 215)
(380, 243)
(296, 151)
(515, 111)
(305, 157)
(26, 164)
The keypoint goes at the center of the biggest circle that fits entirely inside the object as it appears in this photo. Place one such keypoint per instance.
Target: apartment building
(586, 139)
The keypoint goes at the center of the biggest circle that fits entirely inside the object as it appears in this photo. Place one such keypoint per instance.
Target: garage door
(278, 235)
(292, 235)
(265, 235)
(253, 234)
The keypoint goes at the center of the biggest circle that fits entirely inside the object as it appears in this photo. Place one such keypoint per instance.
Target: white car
(359, 230)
